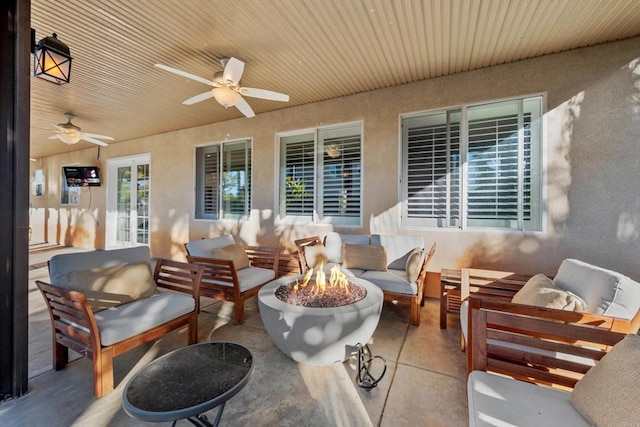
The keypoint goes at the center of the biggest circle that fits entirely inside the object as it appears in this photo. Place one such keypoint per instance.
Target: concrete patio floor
(424, 383)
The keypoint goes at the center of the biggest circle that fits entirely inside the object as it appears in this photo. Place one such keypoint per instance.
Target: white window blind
(341, 175)
(432, 174)
(320, 175)
(502, 177)
(297, 176)
(236, 185)
(223, 180)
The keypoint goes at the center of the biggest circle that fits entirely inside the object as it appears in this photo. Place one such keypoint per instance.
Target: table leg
(202, 421)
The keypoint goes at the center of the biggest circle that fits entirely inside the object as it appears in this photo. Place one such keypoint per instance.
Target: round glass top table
(188, 382)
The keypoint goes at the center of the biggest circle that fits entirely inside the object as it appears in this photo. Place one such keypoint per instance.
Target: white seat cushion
(124, 321)
(605, 292)
(495, 400)
(254, 276)
(249, 278)
(391, 281)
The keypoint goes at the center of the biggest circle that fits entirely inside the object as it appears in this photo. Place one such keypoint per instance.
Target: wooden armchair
(100, 337)
(599, 287)
(540, 345)
(221, 279)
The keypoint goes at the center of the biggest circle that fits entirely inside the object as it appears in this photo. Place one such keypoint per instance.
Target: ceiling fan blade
(185, 74)
(245, 109)
(93, 140)
(264, 94)
(233, 71)
(95, 135)
(53, 137)
(206, 95)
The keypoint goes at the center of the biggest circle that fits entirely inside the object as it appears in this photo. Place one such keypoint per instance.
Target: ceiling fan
(226, 87)
(72, 134)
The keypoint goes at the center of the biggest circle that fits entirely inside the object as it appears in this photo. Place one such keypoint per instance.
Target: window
(38, 182)
(223, 180)
(320, 175)
(475, 166)
(68, 195)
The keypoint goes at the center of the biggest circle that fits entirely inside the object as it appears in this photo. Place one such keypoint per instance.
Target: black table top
(188, 381)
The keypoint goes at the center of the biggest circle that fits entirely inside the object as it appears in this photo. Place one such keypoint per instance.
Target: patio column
(15, 39)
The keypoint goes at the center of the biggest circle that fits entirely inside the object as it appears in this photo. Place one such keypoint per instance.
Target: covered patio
(424, 383)
(380, 135)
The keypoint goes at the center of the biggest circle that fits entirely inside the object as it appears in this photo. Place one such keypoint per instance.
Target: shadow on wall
(593, 203)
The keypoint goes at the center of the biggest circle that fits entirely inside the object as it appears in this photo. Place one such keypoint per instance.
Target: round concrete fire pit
(319, 336)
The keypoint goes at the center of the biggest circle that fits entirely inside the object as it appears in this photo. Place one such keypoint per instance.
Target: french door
(128, 197)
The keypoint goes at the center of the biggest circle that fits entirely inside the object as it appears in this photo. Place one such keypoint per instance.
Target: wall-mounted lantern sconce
(51, 59)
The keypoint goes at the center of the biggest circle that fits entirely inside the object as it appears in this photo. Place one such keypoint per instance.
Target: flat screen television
(82, 176)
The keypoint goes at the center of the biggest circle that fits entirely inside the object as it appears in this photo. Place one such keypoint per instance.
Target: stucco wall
(592, 131)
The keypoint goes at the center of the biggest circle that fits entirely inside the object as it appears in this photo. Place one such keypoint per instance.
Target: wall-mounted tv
(82, 176)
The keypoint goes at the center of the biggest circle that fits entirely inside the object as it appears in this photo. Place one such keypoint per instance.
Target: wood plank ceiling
(310, 49)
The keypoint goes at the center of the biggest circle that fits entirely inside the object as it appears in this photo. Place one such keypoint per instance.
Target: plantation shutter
(431, 151)
(297, 186)
(207, 184)
(498, 191)
(236, 183)
(341, 175)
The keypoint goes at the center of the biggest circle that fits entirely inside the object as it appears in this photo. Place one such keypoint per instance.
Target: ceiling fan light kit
(71, 134)
(226, 96)
(226, 87)
(51, 59)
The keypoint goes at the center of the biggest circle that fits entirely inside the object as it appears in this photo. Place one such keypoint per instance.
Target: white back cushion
(398, 248)
(61, 264)
(605, 292)
(333, 243)
(204, 247)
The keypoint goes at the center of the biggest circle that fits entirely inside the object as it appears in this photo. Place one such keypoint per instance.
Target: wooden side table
(457, 284)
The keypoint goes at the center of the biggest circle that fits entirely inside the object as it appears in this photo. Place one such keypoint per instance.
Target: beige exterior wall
(592, 132)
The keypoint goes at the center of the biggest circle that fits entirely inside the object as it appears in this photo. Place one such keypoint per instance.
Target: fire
(337, 279)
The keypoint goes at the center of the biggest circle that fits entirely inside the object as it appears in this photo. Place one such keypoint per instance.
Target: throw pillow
(234, 252)
(542, 292)
(364, 257)
(315, 255)
(414, 264)
(609, 393)
(111, 286)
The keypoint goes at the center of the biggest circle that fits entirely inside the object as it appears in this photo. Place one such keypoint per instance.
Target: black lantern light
(51, 59)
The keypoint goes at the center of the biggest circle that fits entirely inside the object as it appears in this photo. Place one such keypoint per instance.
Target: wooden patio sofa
(102, 335)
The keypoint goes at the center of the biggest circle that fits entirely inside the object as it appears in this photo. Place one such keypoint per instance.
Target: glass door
(128, 201)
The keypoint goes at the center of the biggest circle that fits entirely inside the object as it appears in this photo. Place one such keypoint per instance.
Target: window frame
(199, 213)
(319, 203)
(538, 175)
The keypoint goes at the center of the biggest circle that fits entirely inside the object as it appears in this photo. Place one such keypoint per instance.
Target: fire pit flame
(314, 290)
(337, 279)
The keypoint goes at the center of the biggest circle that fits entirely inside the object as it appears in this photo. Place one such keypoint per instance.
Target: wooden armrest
(542, 345)
(72, 319)
(178, 276)
(300, 244)
(423, 270)
(264, 256)
(216, 269)
(491, 283)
